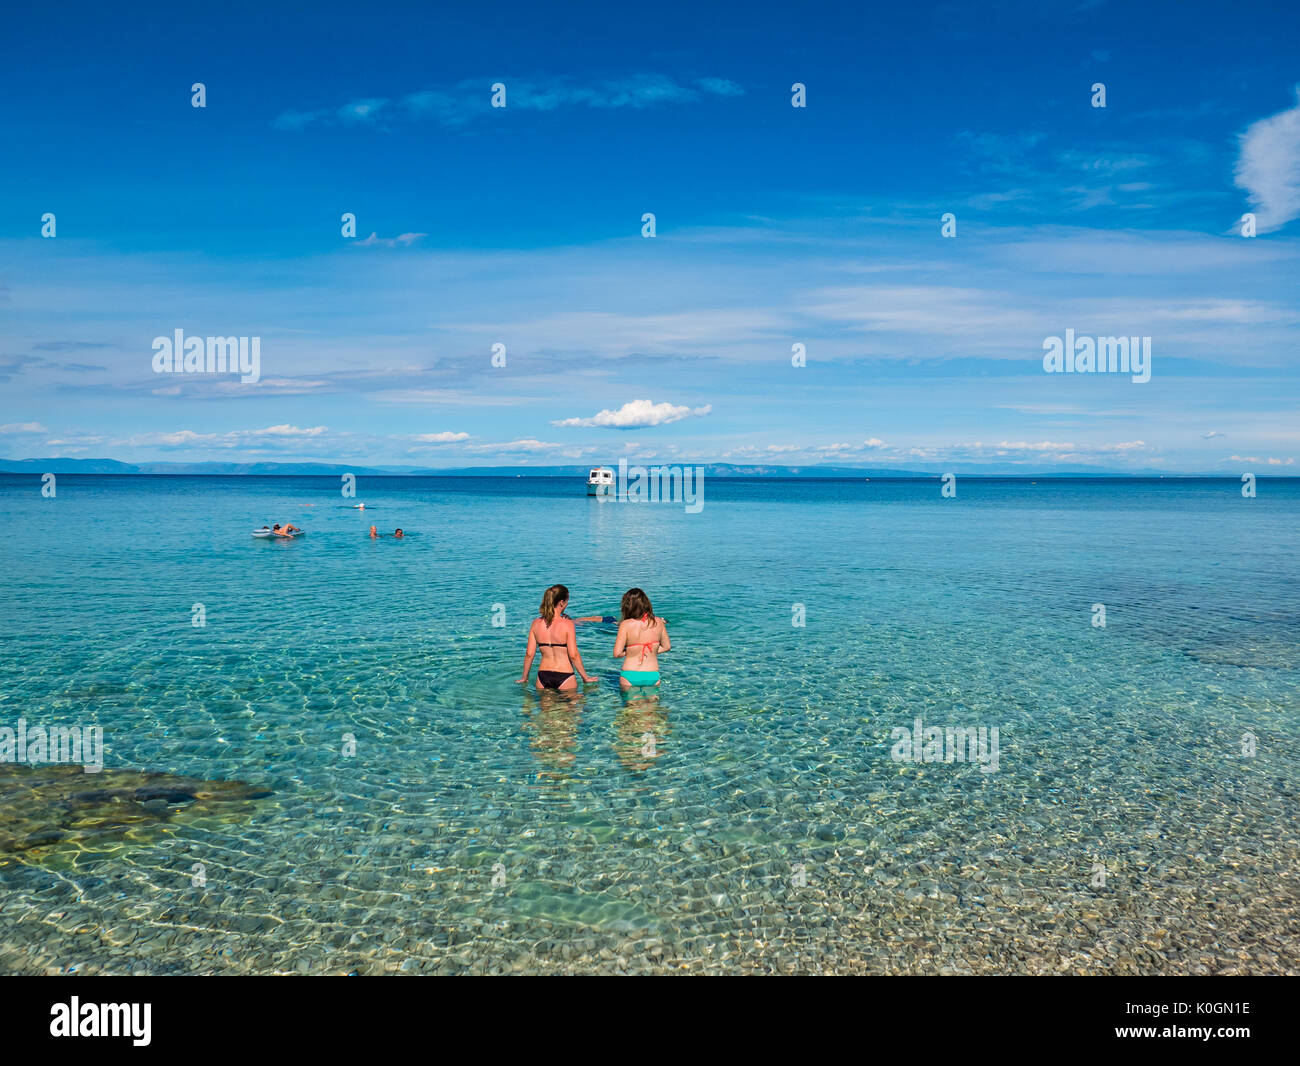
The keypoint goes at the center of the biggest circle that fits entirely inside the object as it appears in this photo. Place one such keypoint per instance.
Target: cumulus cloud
(1268, 168)
(638, 414)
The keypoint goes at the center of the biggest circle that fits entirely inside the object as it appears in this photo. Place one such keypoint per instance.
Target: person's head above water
(636, 604)
(276, 526)
(554, 600)
(398, 533)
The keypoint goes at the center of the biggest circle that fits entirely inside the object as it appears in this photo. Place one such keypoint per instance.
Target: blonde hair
(554, 595)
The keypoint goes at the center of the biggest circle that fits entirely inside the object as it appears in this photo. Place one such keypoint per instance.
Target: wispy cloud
(446, 437)
(457, 105)
(532, 446)
(239, 438)
(404, 240)
(1270, 461)
(876, 451)
(1268, 168)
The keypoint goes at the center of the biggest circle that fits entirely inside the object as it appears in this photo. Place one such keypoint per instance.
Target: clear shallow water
(752, 817)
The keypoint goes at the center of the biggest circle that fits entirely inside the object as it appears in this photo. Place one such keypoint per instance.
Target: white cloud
(180, 436)
(1271, 461)
(361, 110)
(23, 427)
(234, 438)
(456, 105)
(875, 450)
(286, 430)
(637, 414)
(1060, 449)
(529, 444)
(403, 239)
(73, 445)
(445, 437)
(1268, 168)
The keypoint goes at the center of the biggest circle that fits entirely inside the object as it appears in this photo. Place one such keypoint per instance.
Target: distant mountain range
(66, 465)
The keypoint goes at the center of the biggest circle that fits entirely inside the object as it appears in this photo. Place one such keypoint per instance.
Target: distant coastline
(67, 465)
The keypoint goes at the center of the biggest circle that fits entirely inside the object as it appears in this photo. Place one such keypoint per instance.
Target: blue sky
(775, 225)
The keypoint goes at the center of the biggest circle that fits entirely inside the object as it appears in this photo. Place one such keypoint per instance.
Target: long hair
(636, 604)
(553, 595)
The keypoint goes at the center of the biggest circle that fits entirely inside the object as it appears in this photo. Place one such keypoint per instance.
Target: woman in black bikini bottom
(551, 631)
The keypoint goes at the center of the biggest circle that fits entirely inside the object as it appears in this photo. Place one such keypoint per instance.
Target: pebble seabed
(479, 894)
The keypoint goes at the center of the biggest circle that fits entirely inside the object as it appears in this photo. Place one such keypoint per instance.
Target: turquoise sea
(411, 809)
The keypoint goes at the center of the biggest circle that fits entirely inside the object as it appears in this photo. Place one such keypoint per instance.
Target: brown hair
(553, 595)
(636, 604)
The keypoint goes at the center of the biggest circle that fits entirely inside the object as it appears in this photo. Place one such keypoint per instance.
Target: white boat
(600, 482)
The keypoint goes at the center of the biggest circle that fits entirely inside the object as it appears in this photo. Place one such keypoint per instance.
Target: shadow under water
(50, 813)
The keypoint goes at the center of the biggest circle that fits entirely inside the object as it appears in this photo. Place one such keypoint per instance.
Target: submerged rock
(1267, 653)
(49, 811)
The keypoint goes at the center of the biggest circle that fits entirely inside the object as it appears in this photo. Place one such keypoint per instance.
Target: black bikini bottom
(553, 678)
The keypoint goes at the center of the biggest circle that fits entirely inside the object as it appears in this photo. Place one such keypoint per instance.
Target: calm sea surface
(411, 808)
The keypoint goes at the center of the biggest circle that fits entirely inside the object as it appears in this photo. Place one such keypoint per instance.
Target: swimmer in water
(398, 533)
(374, 532)
(555, 636)
(641, 639)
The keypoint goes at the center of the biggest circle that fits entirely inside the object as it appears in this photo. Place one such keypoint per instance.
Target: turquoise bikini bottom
(641, 678)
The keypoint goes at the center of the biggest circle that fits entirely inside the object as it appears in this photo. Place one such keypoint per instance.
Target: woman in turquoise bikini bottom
(640, 629)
